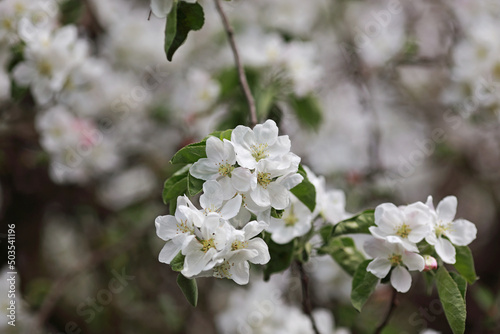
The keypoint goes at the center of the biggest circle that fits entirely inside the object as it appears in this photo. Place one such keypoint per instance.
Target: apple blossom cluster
(210, 245)
(402, 235)
(249, 175)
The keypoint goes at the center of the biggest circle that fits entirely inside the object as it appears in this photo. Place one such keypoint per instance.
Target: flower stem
(389, 313)
(241, 72)
(306, 299)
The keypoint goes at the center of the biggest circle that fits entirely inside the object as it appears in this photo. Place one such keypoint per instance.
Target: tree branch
(306, 299)
(389, 313)
(241, 72)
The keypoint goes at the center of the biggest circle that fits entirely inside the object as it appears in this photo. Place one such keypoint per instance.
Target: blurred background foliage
(389, 100)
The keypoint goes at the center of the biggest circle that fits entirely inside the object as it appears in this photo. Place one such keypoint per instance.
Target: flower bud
(430, 263)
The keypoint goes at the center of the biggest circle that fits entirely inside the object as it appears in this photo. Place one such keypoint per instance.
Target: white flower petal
(166, 227)
(280, 147)
(401, 279)
(413, 261)
(228, 190)
(266, 133)
(215, 149)
(462, 232)
(24, 74)
(289, 181)
(204, 169)
(260, 246)
(169, 251)
(212, 195)
(377, 248)
(430, 203)
(388, 217)
(279, 196)
(196, 260)
(161, 8)
(231, 208)
(242, 179)
(229, 154)
(261, 196)
(419, 232)
(240, 272)
(447, 209)
(379, 267)
(253, 228)
(445, 250)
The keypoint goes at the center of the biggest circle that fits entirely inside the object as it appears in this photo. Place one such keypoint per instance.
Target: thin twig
(306, 299)
(389, 313)
(93, 260)
(241, 72)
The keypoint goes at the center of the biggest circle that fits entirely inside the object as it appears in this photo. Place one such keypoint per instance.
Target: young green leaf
(465, 263)
(344, 252)
(363, 285)
(189, 289)
(461, 283)
(281, 257)
(452, 301)
(177, 264)
(305, 191)
(183, 18)
(226, 134)
(307, 110)
(357, 224)
(176, 185)
(195, 186)
(190, 153)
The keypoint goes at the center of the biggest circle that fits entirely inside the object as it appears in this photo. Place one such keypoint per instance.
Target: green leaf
(225, 134)
(176, 185)
(325, 232)
(356, 224)
(461, 283)
(190, 153)
(452, 301)
(344, 252)
(305, 191)
(177, 264)
(281, 257)
(363, 285)
(195, 186)
(307, 110)
(465, 263)
(183, 18)
(189, 289)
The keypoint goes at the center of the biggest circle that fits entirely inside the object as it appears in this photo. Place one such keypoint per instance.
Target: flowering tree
(259, 206)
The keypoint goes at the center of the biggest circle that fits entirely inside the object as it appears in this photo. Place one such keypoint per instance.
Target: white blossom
(261, 143)
(446, 231)
(406, 225)
(219, 165)
(296, 221)
(393, 255)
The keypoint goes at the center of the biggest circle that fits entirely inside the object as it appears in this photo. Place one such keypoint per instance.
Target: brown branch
(306, 299)
(389, 313)
(93, 260)
(241, 72)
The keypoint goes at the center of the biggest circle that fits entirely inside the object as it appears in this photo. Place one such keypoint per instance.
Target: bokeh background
(388, 100)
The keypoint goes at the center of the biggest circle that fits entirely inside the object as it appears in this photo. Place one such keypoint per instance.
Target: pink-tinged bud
(430, 263)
